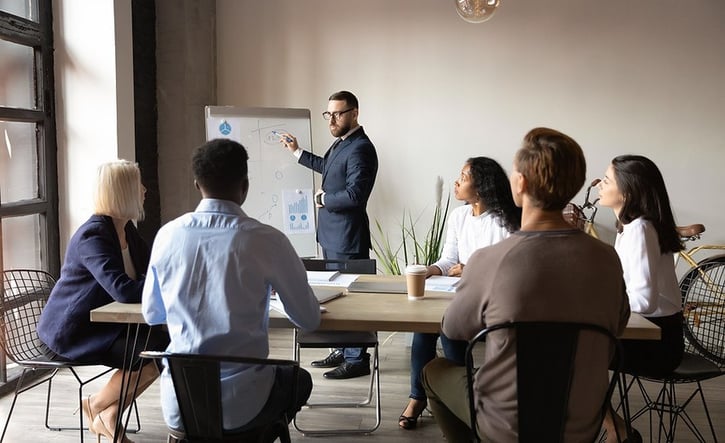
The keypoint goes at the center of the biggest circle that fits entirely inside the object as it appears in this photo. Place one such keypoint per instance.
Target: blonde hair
(118, 191)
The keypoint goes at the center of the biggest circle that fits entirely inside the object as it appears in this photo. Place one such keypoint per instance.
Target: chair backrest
(352, 266)
(197, 383)
(703, 301)
(24, 295)
(545, 368)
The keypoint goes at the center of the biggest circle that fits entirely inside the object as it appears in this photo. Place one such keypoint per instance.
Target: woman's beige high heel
(102, 429)
(88, 413)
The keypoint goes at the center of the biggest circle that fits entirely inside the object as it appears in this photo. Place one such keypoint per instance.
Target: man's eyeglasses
(327, 115)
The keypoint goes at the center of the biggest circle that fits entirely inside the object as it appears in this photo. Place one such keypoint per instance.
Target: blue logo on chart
(225, 128)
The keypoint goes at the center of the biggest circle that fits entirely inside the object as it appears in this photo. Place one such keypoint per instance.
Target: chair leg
(12, 405)
(624, 398)
(670, 410)
(81, 428)
(707, 412)
(681, 412)
(10, 414)
(19, 389)
(278, 429)
(374, 388)
(365, 401)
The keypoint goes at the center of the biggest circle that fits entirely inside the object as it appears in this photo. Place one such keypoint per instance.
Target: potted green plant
(422, 249)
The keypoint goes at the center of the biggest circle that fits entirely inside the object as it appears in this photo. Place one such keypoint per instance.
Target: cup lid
(416, 269)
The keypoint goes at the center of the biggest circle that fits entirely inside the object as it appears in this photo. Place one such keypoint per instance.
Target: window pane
(18, 162)
(23, 8)
(21, 242)
(16, 75)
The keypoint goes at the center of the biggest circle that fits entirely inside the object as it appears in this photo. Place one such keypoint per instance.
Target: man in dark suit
(348, 171)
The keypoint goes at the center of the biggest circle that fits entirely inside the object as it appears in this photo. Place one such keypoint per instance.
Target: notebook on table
(325, 294)
(387, 287)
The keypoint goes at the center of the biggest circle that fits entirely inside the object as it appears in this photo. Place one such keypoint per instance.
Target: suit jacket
(348, 175)
(92, 276)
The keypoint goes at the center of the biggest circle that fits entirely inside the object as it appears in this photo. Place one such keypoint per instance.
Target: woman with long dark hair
(488, 217)
(646, 241)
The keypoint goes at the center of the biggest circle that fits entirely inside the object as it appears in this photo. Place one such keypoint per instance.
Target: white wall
(620, 77)
(94, 99)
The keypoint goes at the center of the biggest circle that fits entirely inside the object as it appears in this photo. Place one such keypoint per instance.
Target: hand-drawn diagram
(277, 184)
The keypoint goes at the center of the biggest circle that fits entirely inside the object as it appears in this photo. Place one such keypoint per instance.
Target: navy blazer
(348, 175)
(92, 276)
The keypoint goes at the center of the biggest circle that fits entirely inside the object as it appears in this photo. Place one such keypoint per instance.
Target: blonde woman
(105, 261)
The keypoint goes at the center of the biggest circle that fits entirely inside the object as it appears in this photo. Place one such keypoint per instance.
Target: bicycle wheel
(703, 299)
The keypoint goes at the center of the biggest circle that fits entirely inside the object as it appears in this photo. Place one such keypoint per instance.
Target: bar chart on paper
(298, 212)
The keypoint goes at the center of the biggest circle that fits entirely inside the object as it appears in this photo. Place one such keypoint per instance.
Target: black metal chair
(24, 295)
(342, 339)
(703, 298)
(197, 383)
(545, 369)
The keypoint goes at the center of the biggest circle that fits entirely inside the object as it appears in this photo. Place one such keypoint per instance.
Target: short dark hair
(346, 96)
(554, 167)
(645, 195)
(493, 188)
(220, 165)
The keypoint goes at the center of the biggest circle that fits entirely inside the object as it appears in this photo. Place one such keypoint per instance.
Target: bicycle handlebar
(587, 203)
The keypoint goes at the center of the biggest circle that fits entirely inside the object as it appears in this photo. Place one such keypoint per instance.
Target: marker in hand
(280, 135)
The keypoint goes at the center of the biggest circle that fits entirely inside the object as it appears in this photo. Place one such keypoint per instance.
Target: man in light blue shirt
(210, 278)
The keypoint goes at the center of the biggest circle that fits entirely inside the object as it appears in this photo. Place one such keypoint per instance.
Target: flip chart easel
(280, 190)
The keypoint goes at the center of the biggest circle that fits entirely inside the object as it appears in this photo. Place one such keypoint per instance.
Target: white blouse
(467, 233)
(649, 275)
(128, 263)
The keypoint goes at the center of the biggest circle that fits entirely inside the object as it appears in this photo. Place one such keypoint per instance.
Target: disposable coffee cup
(415, 279)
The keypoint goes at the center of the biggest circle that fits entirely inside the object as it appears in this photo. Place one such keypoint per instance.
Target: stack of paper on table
(441, 283)
(434, 283)
(340, 280)
(321, 276)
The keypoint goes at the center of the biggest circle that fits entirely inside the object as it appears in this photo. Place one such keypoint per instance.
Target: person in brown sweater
(547, 271)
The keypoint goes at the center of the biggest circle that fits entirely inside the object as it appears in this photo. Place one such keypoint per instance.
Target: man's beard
(339, 131)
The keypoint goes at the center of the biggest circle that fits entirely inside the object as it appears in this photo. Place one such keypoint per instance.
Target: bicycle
(703, 292)
(591, 208)
(582, 216)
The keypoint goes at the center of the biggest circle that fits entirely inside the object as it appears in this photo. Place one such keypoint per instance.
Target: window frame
(39, 36)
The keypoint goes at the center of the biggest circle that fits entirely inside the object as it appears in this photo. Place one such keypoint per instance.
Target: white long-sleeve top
(649, 275)
(467, 233)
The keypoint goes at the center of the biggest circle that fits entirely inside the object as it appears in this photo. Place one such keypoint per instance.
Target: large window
(28, 175)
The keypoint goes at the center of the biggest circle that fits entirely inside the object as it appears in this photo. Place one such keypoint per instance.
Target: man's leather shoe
(333, 360)
(348, 370)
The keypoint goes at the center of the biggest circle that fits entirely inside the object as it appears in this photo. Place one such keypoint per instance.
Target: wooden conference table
(371, 312)
(359, 312)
